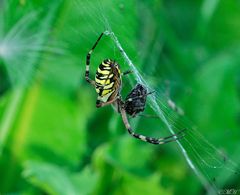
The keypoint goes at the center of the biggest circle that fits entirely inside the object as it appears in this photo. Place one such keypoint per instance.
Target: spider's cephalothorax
(136, 100)
(108, 84)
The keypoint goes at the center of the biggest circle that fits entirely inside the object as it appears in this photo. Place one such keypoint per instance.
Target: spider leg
(140, 96)
(150, 140)
(149, 116)
(127, 72)
(92, 82)
(149, 93)
(100, 104)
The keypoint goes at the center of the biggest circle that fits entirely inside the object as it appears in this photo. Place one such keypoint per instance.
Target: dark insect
(136, 100)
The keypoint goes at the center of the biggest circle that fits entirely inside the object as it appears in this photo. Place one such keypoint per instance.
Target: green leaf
(132, 185)
(53, 179)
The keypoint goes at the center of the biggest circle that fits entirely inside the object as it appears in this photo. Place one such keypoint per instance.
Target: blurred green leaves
(55, 180)
(52, 138)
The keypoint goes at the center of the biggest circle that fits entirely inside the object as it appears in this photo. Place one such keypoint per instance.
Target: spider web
(212, 167)
(204, 159)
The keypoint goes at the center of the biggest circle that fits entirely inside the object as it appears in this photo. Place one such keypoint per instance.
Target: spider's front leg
(88, 58)
(92, 82)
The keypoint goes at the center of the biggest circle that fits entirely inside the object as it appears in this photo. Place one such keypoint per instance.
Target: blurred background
(53, 140)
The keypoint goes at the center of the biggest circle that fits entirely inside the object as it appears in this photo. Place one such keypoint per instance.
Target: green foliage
(53, 140)
(55, 180)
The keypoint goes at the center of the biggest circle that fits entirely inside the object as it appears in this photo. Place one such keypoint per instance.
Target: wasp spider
(108, 83)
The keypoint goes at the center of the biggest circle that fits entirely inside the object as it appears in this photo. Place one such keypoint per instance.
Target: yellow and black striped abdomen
(107, 79)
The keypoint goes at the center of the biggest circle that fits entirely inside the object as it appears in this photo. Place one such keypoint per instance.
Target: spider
(108, 83)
